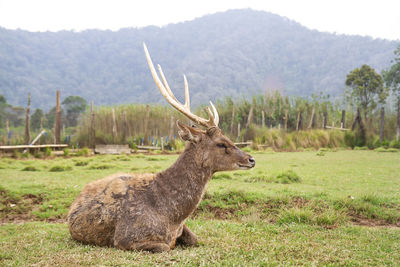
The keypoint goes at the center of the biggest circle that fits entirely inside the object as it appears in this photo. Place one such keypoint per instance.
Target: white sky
(376, 18)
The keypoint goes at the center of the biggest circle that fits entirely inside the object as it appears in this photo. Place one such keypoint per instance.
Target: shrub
(100, 167)
(349, 139)
(395, 144)
(58, 168)
(288, 177)
(25, 155)
(382, 149)
(39, 155)
(360, 148)
(48, 152)
(81, 163)
(29, 169)
(16, 154)
(83, 152)
(66, 152)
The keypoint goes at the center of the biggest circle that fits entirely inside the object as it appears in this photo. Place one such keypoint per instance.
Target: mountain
(234, 53)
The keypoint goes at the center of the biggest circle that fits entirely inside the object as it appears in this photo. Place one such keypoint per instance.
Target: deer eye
(221, 145)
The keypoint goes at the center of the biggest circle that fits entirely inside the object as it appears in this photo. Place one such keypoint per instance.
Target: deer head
(213, 149)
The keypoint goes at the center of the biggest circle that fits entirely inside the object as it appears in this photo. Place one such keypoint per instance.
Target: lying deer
(148, 211)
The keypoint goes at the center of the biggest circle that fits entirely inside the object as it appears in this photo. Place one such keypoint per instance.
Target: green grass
(291, 209)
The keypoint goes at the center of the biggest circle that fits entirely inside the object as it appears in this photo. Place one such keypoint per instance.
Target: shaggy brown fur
(148, 211)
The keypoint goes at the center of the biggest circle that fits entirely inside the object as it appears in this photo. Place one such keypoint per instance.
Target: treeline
(367, 115)
(13, 120)
(265, 119)
(225, 54)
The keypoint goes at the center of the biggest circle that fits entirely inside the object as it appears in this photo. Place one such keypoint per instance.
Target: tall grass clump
(134, 123)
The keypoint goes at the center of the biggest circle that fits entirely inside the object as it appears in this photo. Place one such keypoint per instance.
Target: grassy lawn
(299, 208)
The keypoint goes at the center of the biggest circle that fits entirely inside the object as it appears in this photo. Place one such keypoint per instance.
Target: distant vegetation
(235, 53)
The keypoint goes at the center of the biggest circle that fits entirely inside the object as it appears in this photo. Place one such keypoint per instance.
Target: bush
(66, 152)
(29, 169)
(349, 139)
(58, 168)
(395, 144)
(83, 152)
(288, 177)
(81, 163)
(25, 155)
(100, 167)
(16, 154)
(382, 149)
(48, 152)
(39, 155)
(360, 148)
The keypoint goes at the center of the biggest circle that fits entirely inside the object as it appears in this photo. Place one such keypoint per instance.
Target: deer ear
(187, 133)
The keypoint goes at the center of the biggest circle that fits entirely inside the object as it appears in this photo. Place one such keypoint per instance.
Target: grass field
(303, 208)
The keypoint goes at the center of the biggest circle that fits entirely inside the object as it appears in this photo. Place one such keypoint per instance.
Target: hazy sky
(379, 19)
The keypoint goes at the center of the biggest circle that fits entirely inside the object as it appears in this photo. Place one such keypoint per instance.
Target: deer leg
(187, 238)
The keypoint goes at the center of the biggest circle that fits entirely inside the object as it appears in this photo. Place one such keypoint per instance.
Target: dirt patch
(18, 208)
(218, 213)
(359, 220)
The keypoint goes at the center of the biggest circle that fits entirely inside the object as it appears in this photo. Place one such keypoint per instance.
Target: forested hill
(232, 53)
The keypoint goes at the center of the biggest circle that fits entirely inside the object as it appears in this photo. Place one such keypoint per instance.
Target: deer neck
(181, 186)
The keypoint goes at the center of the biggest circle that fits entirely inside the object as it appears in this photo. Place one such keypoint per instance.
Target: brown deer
(148, 211)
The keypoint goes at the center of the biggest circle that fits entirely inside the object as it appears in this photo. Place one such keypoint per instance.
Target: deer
(147, 212)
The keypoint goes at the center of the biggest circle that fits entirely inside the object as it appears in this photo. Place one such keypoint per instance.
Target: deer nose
(252, 162)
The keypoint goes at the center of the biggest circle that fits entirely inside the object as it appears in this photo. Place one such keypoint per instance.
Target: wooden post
(286, 120)
(92, 131)
(114, 127)
(325, 120)
(8, 132)
(124, 127)
(28, 109)
(250, 117)
(311, 124)
(263, 118)
(382, 124)
(146, 124)
(238, 135)
(299, 124)
(57, 127)
(232, 120)
(398, 120)
(171, 128)
(343, 121)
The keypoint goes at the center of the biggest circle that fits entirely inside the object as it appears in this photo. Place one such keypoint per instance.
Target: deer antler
(169, 96)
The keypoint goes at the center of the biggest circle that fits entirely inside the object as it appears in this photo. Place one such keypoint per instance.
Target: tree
(367, 86)
(3, 114)
(392, 80)
(74, 106)
(36, 119)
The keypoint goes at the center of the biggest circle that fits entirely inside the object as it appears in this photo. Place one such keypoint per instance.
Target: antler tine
(164, 80)
(164, 89)
(187, 97)
(216, 116)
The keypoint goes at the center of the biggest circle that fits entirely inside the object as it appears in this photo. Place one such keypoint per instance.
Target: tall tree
(36, 119)
(27, 124)
(74, 106)
(366, 86)
(392, 80)
(3, 114)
